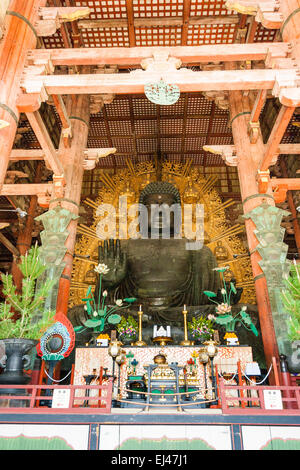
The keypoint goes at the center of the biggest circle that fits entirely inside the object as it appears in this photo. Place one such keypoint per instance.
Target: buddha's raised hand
(115, 259)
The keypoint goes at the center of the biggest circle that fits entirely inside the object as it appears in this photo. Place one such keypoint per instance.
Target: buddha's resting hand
(116, 261)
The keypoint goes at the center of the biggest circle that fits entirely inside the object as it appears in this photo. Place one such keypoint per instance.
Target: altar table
(89, 359)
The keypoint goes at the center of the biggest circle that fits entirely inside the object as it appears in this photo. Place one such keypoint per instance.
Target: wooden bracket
(51, 158)
(241, 34)
(12, 175)
(98, 101)
(272, 146)
(25, 189)
(160, 62)
(269, 19)
(258, 106)
(265, 11)
(53, 17)
(66, 123)
(263, 179)
(221, 98)
(226, 151)
(289, 97)
(93, 155)
(253, 131)
(29, 103)
(39, 67)
(58, 186)
(280, 186)
(280, 193)
(273, 61)
(67, 136)
(35, 68)
(287, 89)
(43, 200)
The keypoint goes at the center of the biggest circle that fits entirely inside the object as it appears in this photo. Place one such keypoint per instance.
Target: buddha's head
(158, 197)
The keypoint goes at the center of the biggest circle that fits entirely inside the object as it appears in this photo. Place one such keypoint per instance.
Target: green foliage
(26, 303)
(99, 314)
(229, 321)
(127, 327)
(130, 300)
(291, 300)
(128, 322)
(201, 328)
(247, 321)
(209, 293)
(223, 310)
(232, 286)
(114, 319)
(91, 323)
(225, 320)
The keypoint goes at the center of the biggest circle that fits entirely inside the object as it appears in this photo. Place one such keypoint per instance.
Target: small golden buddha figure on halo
(90, 276)
(147, 181)
(229, 278)
(131, 196)
(220, 252)
(191, 194)
(228, 275)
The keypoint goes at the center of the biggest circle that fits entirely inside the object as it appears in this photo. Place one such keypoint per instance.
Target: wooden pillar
(282, 121)
(72, 161)
(286, 380)
(248, 158)
(25, 236)
(290, 29)
(3, 7)
(19, 37)
(292, 207)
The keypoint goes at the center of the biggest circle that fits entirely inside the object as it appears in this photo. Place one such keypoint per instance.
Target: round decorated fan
(162, 93)
(58, 341)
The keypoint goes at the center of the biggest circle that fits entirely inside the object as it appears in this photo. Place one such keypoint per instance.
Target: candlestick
(186, 341)
(140, 342)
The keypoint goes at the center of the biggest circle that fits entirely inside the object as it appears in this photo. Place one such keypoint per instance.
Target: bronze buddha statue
(160, 272)
(163, 275)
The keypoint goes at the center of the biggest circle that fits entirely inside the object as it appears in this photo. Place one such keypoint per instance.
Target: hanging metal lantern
(162, 93)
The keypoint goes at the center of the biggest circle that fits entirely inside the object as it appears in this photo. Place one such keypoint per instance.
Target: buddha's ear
(206, 238)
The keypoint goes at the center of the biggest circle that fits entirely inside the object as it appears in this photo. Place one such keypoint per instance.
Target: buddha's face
(160, 218)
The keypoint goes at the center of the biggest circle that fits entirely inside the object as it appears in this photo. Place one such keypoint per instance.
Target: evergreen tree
(291, 301)
(28, 302)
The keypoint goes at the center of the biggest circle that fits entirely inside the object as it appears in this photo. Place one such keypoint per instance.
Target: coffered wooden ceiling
(140, 129)
(155, 23)
(131, 123)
